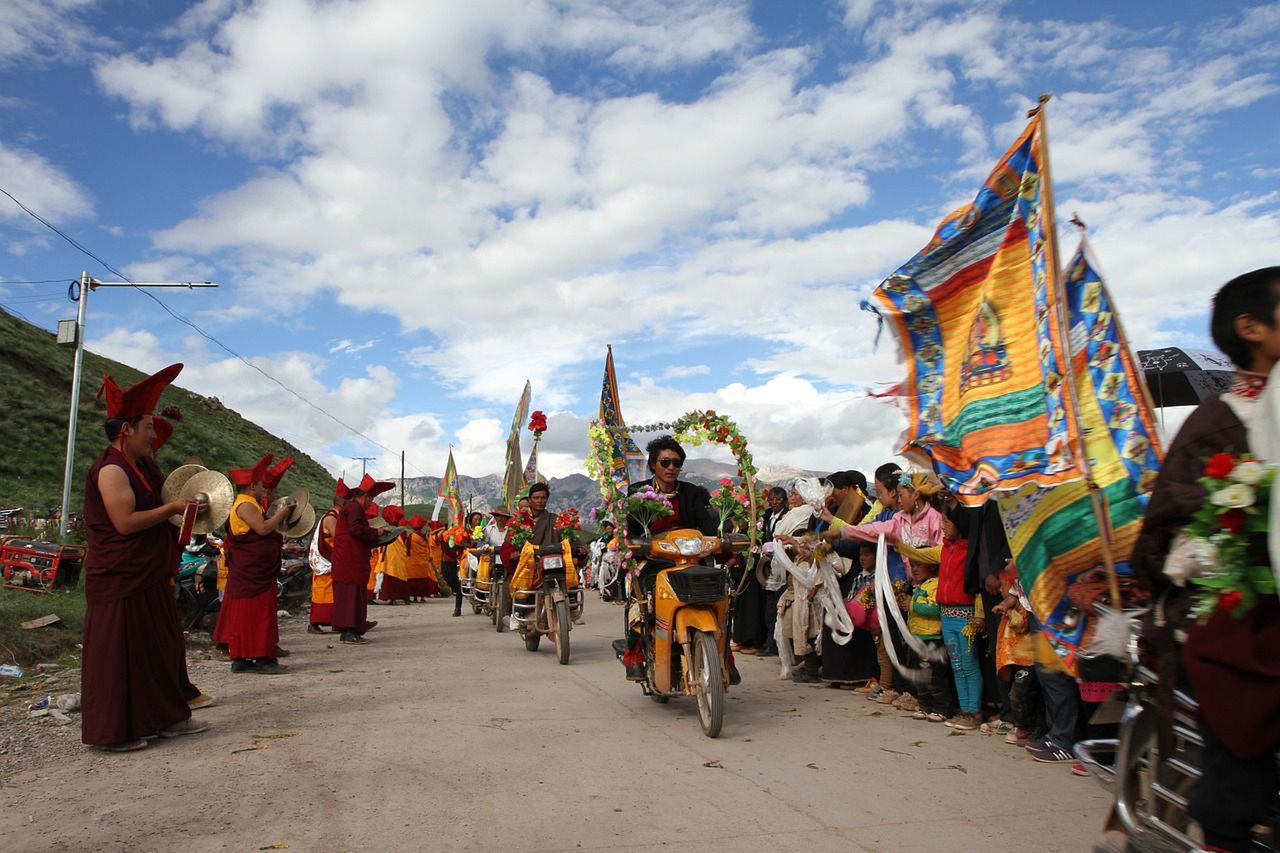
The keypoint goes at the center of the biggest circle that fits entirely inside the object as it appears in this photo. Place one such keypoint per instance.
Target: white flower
(1250, 473)
(1235, 496)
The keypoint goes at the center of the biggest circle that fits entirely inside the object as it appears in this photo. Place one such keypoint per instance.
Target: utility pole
(402, 478)
(88, 284)
(364, 463)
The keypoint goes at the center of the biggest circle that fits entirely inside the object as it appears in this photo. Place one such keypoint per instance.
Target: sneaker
(270, 666)
(907, 702)
(315, 629)
(995, 727)
(1042, 744)
(1053, 755)
(201, 701)
(873, 695)
(242, 665)
(369, 626)
(1018, 737)
(124, 746)
(353, 638)
(964, 722)
(1078, 769)
(186, 727)
(871, 686)
(937, 718)
(281, 653)
(887, 697)
(457, 613)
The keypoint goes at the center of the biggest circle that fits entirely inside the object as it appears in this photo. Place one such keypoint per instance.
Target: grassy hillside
(35, 387)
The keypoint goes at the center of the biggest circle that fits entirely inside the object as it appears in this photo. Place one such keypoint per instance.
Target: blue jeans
(964, 662)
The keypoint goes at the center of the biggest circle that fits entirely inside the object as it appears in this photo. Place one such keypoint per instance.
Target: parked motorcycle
(489, 593)
(293, 585)
(196, 588)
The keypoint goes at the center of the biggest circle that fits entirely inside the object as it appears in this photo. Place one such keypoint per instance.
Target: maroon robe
(247, 621)
(353, 540)
(131, 683)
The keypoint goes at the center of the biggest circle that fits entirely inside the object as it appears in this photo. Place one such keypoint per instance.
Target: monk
(352, 545)
(319, 557)
(393, 585)
(423, 580)
(163, 428)
(131, 684)
(248, 615)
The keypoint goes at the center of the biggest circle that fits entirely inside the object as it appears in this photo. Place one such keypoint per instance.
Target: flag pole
(1097, 498)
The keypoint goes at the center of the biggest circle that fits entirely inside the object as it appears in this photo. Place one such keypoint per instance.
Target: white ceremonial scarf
(1261, 419)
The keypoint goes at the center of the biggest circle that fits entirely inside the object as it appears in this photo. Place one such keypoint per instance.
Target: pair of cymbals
(300, 522)
(210, 489)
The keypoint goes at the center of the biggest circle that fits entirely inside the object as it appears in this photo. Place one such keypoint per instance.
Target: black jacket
(693, 503)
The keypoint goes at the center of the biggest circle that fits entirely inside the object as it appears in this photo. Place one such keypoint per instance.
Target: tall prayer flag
(1053, 533)
(628, 461)
(449, 490)
(513, 476)
(977, 315)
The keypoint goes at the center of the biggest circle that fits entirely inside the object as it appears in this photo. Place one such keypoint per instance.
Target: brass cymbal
(388, 536)
(300, 499)
(177, 479)
(216, 494)
(304, 523)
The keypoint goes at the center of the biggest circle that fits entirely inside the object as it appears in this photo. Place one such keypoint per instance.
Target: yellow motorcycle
(550, 601)
(683, 611)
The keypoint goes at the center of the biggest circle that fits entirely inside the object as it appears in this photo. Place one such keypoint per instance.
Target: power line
(181, 319)
(33, 281)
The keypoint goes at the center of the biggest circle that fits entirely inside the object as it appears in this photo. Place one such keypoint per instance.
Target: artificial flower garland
(693, 429)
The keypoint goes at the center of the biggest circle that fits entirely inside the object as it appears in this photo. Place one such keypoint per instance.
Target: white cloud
(442, 158)
(44, 30)
(40, 185)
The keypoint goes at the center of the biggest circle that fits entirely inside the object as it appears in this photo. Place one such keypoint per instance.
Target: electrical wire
(32, 281)
(181, 319)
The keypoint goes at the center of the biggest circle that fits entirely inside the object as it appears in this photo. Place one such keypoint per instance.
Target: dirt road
(444, 735)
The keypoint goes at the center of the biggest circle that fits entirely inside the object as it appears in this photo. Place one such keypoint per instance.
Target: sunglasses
(671, 463)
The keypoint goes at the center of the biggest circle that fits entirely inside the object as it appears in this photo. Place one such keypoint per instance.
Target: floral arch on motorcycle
(692, 429)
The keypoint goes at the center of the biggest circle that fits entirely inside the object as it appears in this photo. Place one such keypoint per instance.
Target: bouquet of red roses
(568, 524)
(521, 528)
(1230, 535)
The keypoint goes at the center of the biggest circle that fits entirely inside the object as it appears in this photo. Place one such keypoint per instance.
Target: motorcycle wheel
(531, 641)
(501, 606)
(562, 631)
(709, 684)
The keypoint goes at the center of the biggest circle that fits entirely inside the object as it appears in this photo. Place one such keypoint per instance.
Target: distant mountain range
(578, 490)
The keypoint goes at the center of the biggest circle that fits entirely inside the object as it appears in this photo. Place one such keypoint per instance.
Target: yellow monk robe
(375, 569)
(435, 557)
(395, 570)
(422, 576)
(484, 568)
(523, 577)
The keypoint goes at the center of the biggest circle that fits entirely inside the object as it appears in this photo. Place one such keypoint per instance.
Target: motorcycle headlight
(553, 562)
(690, 546)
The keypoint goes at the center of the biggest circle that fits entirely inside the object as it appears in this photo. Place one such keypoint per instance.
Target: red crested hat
(371, 511)
(417, 522)
(164, 429)
(276, 472)
(138, 399)
(393, 515)
(340, 491)
(372, 487)
(257, 474)
(436, 525)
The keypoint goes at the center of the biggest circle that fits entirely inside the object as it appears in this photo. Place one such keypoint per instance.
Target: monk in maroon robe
(131, 687)
(353, 540)
(247, 620)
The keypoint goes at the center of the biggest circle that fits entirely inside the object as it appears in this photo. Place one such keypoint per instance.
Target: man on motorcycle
(544, 524)
(692, 509)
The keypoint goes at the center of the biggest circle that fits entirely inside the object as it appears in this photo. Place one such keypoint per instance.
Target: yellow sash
(523, 577)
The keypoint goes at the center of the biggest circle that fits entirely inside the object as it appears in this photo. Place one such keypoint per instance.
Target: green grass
(28, 647)
(35, 387)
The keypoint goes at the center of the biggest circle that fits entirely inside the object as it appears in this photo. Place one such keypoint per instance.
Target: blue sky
(412, 207)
